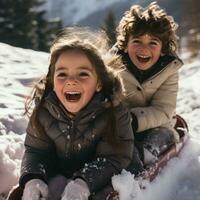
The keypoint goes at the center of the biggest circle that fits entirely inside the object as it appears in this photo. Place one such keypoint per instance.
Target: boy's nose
(144, 48)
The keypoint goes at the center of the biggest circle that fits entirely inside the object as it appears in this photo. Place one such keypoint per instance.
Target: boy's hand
(76, 189)
(35, 189)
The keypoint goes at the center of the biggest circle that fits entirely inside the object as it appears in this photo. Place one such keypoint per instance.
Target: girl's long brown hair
(94, 46)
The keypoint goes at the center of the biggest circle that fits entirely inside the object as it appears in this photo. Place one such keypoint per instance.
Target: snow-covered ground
(179, 180)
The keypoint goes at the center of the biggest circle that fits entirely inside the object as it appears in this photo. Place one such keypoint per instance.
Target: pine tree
(16, 20)
(46, 30)
(23, 24)
(109, 27)
(191, 24)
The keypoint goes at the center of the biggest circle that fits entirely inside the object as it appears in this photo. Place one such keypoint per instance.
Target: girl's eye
(83, 74)
(62, 75)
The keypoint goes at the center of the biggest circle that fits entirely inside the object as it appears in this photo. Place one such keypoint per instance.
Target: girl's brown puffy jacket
(78, 147)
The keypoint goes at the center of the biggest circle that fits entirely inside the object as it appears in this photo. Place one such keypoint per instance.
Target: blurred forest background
(28, 24)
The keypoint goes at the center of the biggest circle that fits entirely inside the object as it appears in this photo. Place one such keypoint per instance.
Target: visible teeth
(142, 56)
(72, 96)
(72, 92)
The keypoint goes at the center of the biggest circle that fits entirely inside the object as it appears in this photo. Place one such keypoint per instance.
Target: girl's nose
(71, 80)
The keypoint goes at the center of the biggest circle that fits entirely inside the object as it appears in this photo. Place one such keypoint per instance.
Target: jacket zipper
(70, 138)
(71, 133)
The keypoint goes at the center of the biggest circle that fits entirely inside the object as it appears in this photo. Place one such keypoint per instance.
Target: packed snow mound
(11, 151)
(179, 180)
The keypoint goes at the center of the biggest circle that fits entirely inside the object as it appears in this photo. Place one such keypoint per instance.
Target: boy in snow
(147, 42)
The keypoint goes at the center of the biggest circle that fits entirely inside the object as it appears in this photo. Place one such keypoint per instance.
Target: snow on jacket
(152, 94)
(78, 147)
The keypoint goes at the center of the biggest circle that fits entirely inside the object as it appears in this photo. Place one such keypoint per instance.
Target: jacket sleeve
(37, 157)
(161, 107)
(111, 157)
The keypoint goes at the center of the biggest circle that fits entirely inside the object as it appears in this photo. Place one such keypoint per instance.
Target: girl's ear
(162, 54)
(98, 87)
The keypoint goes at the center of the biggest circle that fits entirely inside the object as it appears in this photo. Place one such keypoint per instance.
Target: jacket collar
(57, 110)
(143, 75)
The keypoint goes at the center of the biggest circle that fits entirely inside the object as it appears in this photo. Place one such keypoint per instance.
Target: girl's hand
(35, 189)
(76, 189)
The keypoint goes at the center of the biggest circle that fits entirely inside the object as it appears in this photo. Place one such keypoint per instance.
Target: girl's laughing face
(144, 51)
(75, 80)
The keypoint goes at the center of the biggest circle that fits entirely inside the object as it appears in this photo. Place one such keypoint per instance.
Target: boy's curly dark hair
(153, 20)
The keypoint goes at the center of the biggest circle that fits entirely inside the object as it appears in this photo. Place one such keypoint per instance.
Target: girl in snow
(147, 42)
(79, 134)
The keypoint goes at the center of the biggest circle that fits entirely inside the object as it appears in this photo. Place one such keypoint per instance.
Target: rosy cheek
(133, 46)
(57, 84)
(60, 81)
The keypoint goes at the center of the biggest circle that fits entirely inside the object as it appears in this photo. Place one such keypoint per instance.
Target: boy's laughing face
(144, 51)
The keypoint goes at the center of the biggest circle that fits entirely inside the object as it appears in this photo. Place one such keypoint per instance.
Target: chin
(145, 67)
(74, 111)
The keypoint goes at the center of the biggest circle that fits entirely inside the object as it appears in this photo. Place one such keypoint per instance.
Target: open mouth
(72, 96)
(143, 59)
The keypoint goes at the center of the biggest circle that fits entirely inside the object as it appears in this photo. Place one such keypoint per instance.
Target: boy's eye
(154, 43)
(135, 41)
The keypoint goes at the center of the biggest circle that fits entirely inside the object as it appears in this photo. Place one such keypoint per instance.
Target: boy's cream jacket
(154, 101)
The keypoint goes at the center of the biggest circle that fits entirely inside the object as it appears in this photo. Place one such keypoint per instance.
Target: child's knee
(157, 142)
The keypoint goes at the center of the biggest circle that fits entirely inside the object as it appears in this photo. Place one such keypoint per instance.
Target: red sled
(150, 172)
